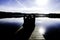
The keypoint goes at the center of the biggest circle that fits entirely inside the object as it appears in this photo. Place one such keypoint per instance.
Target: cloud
(29, 6)
(54, 5)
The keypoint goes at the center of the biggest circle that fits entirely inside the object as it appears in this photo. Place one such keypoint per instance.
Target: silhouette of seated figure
(53, 33)
(28, 27)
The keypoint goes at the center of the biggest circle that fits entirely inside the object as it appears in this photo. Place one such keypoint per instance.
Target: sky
(30, 6)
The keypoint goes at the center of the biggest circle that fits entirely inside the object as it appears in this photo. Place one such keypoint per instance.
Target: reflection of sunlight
(18, 20)
(36, 34)
(41, 30)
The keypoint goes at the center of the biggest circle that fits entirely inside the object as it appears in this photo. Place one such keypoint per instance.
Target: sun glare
(41, 2)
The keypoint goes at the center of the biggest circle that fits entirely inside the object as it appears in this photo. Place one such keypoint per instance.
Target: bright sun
(41, 2)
